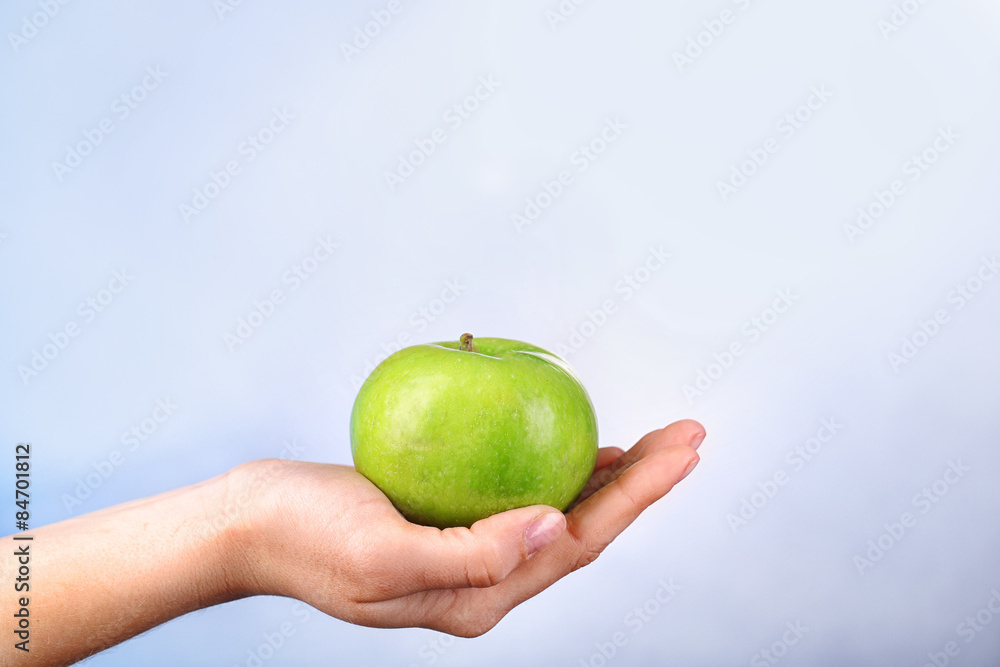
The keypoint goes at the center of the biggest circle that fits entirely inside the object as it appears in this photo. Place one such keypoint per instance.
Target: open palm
(332, 539)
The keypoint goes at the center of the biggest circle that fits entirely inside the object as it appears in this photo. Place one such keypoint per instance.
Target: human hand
(326, 535)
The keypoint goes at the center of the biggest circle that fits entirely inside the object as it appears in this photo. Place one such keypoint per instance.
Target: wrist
(216, 534)
(242, 528)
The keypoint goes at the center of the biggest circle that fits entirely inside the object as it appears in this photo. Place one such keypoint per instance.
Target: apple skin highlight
(457, 431)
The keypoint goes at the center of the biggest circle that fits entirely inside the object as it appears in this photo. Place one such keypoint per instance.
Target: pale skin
(322, 534)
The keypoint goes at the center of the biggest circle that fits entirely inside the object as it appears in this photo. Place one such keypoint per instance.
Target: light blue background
(656, 185)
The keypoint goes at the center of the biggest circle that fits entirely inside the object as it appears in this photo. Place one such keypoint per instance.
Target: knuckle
(586, 551)
(602, 477)
(485, 567)
(587, 556)
(628, 492)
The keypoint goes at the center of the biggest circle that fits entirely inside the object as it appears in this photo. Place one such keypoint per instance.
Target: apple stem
(465, 343)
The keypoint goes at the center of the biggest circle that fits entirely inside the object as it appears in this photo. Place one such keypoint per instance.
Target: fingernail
(543, 530)
(687, 471)
(696, 441)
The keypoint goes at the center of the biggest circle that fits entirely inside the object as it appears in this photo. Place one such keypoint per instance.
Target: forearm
(101, 578)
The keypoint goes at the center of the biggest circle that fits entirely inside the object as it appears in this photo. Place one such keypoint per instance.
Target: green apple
(454, 432)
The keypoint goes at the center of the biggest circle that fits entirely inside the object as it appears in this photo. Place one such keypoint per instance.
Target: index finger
(686, 431)
(594, 523)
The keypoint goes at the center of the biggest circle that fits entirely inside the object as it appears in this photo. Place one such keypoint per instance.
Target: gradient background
(287, 390)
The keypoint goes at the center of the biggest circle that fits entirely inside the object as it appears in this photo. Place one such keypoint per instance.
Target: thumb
(483, 555)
